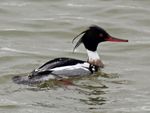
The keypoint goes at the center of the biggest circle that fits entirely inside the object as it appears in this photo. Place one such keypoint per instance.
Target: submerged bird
(68, 67)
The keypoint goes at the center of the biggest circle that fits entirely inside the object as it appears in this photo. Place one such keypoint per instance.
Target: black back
(57, 62)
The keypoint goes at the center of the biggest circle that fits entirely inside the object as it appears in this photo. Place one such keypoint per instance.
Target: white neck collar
(93, 55)
(94, 58)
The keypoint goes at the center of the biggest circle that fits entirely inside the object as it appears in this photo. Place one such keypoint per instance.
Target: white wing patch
(73, 70)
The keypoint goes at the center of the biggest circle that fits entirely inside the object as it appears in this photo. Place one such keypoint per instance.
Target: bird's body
(63, 67)
(57, 68)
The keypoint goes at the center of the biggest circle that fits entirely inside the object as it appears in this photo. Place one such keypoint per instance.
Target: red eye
(101, 35)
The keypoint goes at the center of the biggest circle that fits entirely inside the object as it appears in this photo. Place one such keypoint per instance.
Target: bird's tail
(25, 80)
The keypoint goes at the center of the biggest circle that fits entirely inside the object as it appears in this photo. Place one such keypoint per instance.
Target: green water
(35, 31)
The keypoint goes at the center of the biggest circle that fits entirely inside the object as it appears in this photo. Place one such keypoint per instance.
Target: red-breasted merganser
(69, 67)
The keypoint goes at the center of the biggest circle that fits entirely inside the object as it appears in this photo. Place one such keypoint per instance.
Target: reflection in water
(93, 89)
(90, 87)
(94, 101)
(94, 96)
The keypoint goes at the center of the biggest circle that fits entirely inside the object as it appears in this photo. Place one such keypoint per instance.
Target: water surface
(34, 31)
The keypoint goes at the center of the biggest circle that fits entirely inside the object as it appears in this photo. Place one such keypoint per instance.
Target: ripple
(17, 51)
(146, 108)
(6, 103)
(81, 5)
(14, 4)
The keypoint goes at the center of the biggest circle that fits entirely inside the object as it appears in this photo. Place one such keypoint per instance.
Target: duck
(63, 67)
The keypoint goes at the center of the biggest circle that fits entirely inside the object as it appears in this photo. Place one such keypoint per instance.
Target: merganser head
(91, 38)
